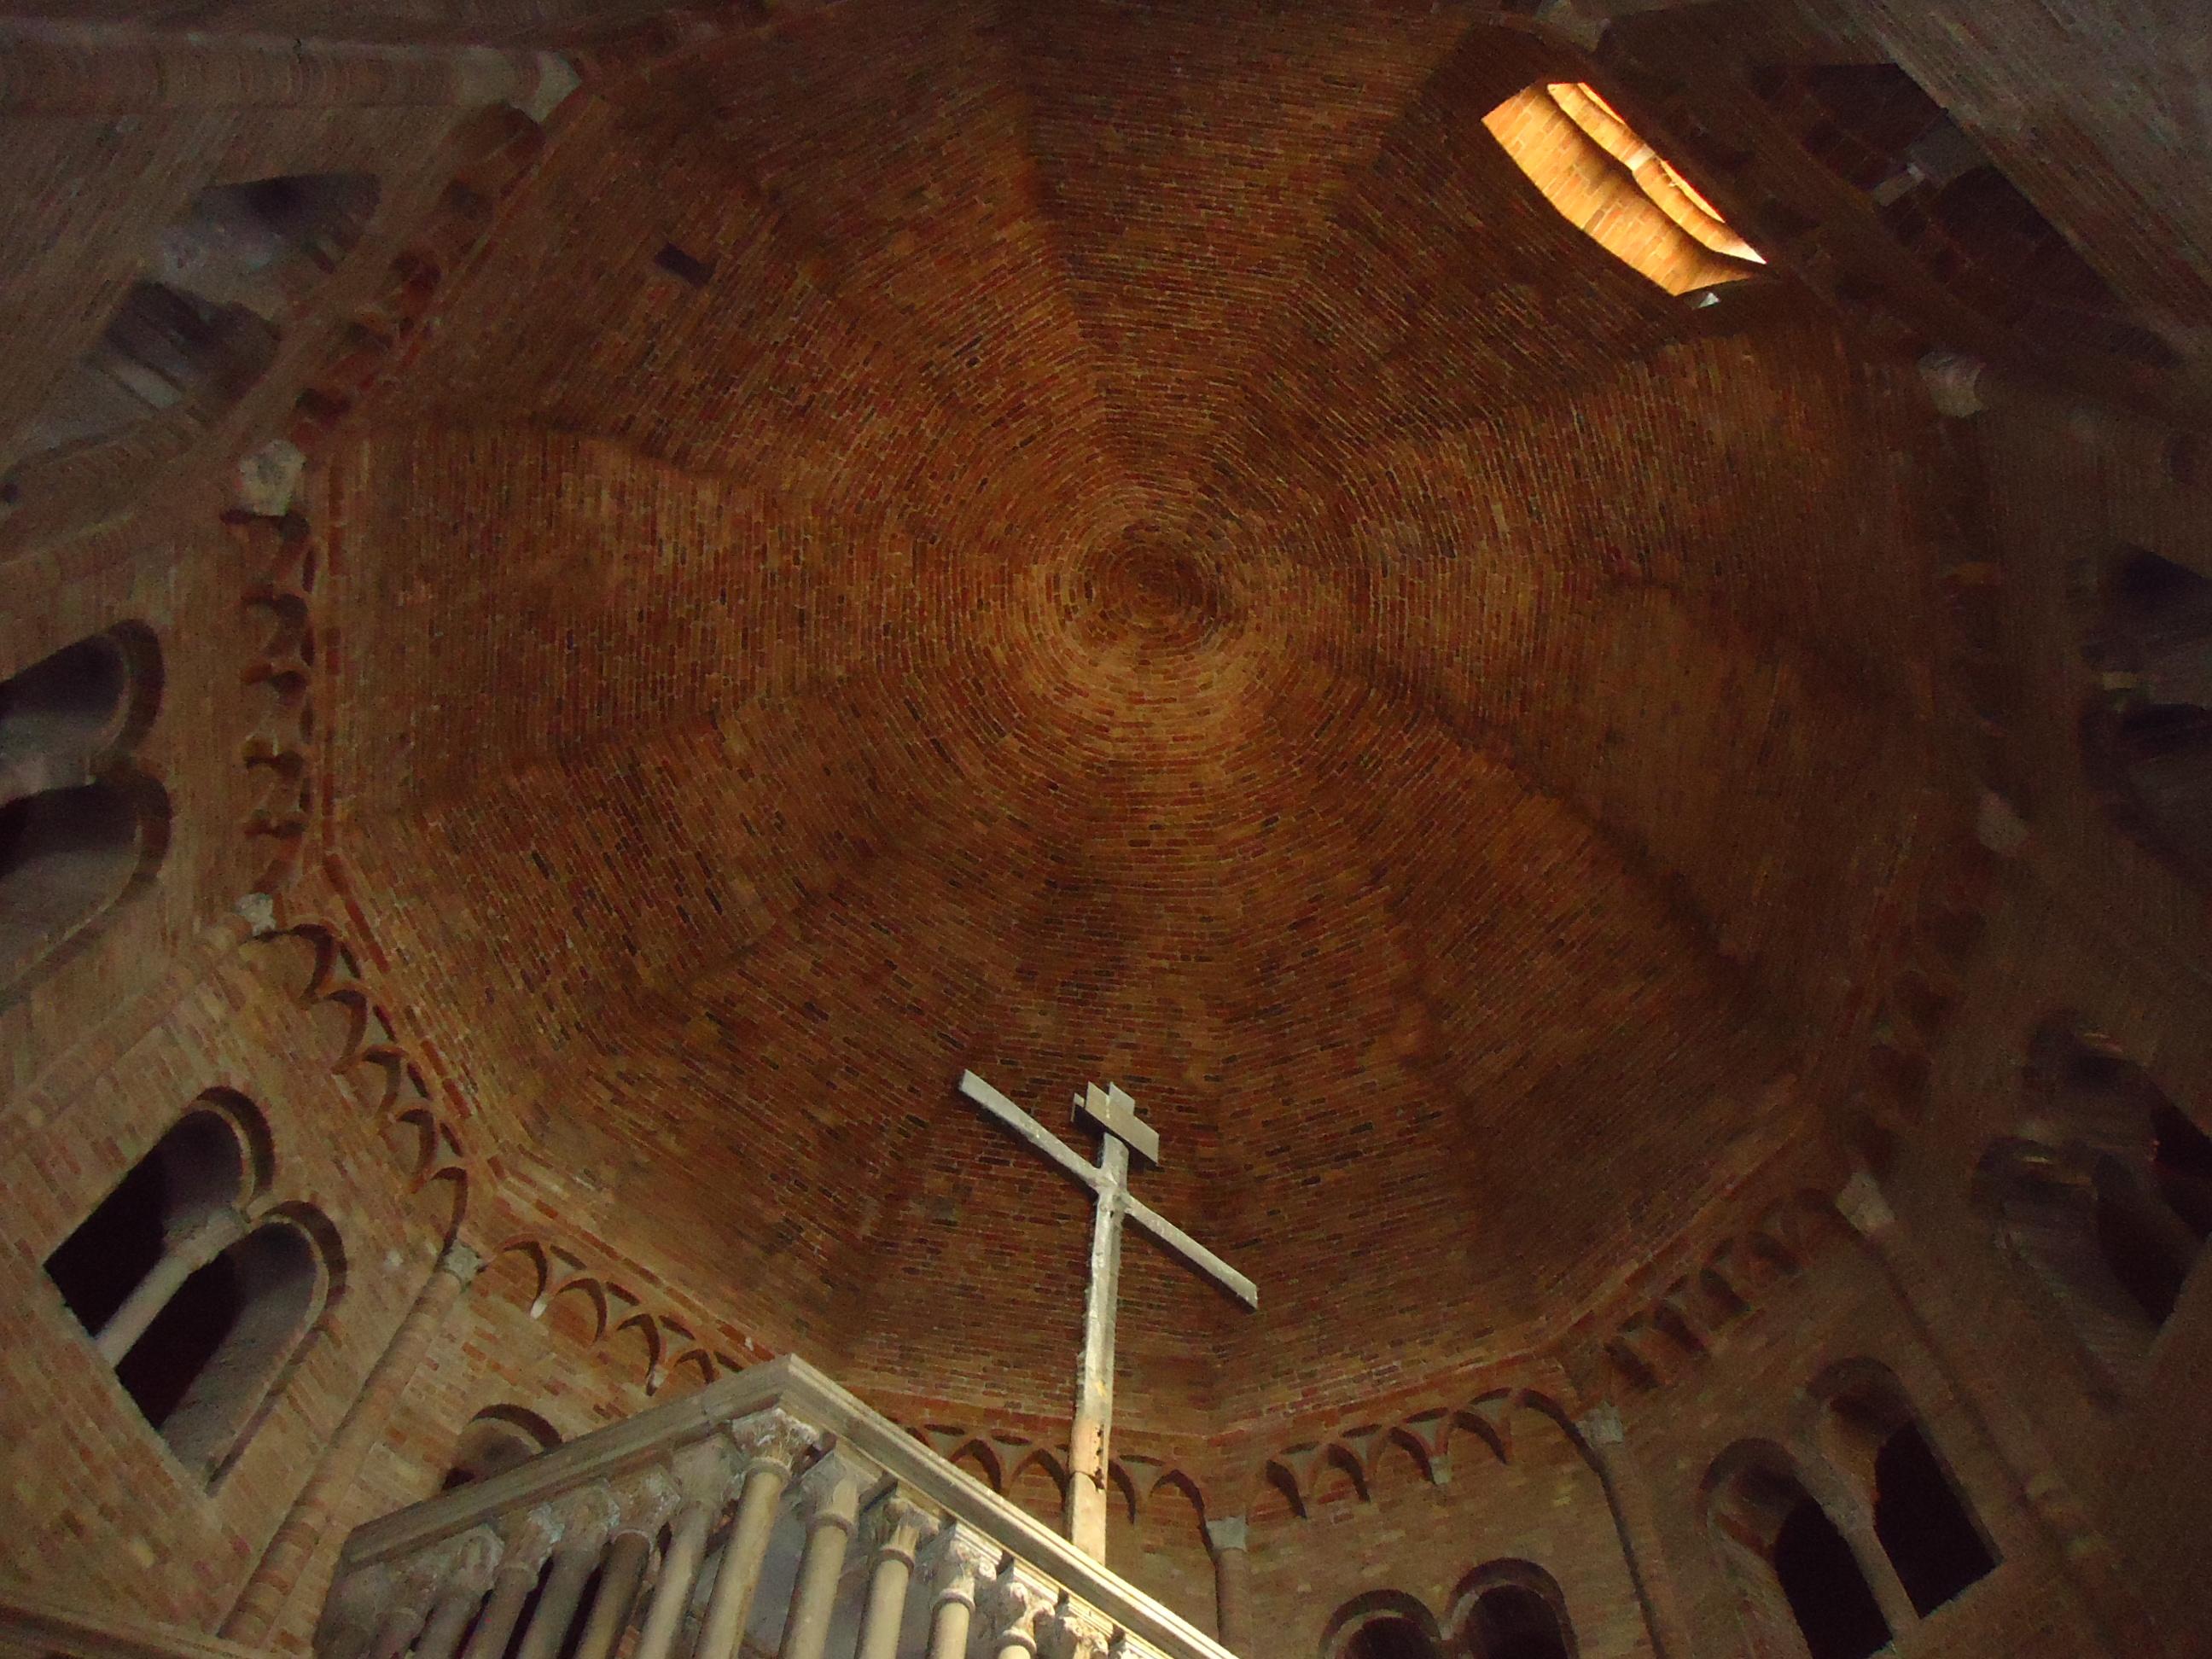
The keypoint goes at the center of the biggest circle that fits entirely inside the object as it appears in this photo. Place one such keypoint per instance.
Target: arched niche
(2103, 1199)
(1871, 1432)
(200, 327)
(2147, 740)
(80, 826)
(1800, 1587)
(497, 1438)
(205, 1167)
(1382, 1625)
(214, 1355)
(1511, 1609)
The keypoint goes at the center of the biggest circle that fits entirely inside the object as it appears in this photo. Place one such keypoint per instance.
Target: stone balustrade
(769, 1514)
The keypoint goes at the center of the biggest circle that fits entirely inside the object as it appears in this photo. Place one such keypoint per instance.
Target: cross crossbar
(1114, 1115)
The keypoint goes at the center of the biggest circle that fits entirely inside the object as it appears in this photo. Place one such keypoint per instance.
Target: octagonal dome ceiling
(1151, 553)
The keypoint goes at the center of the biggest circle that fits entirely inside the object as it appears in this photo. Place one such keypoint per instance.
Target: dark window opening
(266, 244)
(163, 349)
(209, 1357)
(65, 855)
(1828, 1596)
(193, 1171)
(1924, 1526)
(688, 267)
(2137, 1239)
(2181, 1162)
(1390, 1637)
(185, 1335)
(97, 1267)
(1514, 1622)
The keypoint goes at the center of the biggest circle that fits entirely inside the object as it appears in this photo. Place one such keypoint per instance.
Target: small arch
(578, 1310)
(1124, 1490)
(204, 1167)
(1795, 1573)
(497, 1438)
(1869, 1430)
(1512, 1609)
(215, 1353)
(976, 1456)
(81, 827)
(1381, 1624)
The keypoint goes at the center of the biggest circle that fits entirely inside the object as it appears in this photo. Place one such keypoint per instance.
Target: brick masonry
(1152, 552)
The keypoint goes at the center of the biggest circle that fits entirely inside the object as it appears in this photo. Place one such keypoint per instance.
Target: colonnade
(678, 1545)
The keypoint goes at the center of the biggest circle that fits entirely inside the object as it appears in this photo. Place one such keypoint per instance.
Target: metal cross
(1122, 1131)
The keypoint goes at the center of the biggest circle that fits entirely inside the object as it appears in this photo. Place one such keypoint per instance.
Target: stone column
(584, 1516)
(959, 1559)
(831, 1495)
(641, 1505)
(1232, 1583)
(209, 1238)
(703, 1476)
(527, 1543)
(254, 1613)
(1604, 1443)
(768, 1443)
(468, 1576)
(890, 1531)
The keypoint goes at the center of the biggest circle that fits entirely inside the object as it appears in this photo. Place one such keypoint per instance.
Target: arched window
(198, 1308)
(497, 1439)
(79, 824)
(2105, 1200)
(1795, 1571)
(1606, 182)
(200, 327)
(1381, 1624)
(1511, 1610)
(2147, 741)
(1871, 1433)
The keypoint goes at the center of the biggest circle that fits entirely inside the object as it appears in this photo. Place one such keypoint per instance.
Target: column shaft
(510, 1588)
(807, 1633)
(254, 1613)
(687, 1545)
(1232, 1599)
(557, 1605)
(611, 1607)
(741, 1562)
(948, 1628)
(448, 1619)
(886, 1605)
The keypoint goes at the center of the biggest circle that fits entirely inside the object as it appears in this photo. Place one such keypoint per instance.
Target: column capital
(528, 1538)
(830, 1493)
(1600, 1425)
(1954, 383)
(959, 1558)
(644, 1500)
(585, 1515)
(772, 1436)
(469, 1561)
(1861, 1202)
(705, 1472)
(461, 1262)
(1072, 1632)
(1232, 1533)
(1010, 1605)
(895, 1525)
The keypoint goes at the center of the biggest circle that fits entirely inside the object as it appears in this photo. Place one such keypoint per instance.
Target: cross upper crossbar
(1097, 1180)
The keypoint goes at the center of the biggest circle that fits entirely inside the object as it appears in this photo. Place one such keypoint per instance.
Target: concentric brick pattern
(1153, 553)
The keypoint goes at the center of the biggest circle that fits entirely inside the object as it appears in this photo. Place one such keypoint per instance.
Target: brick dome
(1147, 551)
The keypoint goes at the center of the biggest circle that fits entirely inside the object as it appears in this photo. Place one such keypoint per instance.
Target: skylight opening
(1607, 182)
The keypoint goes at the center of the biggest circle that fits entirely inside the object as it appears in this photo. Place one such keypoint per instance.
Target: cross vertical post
(1114, 1115)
